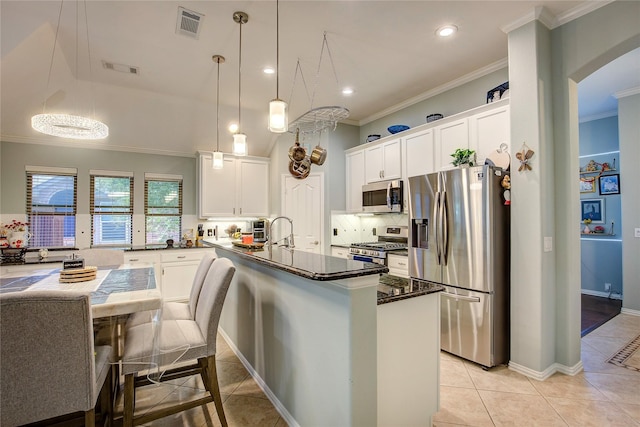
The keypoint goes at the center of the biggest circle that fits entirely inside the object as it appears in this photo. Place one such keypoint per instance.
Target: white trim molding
(630, 311)
(627, 92)
(543, 375)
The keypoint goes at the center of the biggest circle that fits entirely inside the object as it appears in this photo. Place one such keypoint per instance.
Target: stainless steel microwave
(382, 197)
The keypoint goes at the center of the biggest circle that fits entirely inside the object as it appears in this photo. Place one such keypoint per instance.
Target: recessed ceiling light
(269, 70)
(233, 127)
(446, 30)
(347, 91)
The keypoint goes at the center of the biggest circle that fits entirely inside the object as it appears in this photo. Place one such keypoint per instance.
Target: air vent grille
(188, 23)
(121, 68)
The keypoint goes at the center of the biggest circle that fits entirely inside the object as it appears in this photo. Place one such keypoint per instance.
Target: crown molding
(498, 65)
(542, 14)
(627, 92)
(91, 145)
(598, 116)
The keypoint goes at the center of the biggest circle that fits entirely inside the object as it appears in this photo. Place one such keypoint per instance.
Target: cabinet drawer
(182, 255)
(340, 252)
(398, 265)
(141, 257)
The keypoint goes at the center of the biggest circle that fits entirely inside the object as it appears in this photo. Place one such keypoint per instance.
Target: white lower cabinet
(175, 269)
(340, 252)
(398, 265)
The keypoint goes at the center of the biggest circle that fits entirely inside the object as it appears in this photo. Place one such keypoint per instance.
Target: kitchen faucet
(289, 242)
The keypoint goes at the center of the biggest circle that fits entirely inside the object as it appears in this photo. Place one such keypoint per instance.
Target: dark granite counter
(393, 288)
(306, 264)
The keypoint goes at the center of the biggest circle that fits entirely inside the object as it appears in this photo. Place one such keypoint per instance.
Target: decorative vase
(586, 229)
(19, 239)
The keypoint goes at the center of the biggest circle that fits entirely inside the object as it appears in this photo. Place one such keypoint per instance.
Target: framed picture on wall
(592, 209)
(609, 184)
(587, 185)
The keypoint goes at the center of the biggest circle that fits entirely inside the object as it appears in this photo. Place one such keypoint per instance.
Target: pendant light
(68, 125)
(218, 157)
(239, 138)
(278, 120)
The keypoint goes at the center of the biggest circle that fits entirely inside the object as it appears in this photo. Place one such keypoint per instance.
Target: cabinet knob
(134, 259)
(315, 242)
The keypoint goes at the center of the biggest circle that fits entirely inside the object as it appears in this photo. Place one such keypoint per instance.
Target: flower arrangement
(14, 225)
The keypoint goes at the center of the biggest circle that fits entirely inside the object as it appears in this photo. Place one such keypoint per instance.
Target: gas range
(390, 239)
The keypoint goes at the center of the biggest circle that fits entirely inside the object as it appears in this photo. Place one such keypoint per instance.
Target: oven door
(366, 258)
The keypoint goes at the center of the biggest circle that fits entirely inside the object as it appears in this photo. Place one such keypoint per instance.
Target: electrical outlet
(335, 231)
(209, 232)
(548, 244)
(607, 287)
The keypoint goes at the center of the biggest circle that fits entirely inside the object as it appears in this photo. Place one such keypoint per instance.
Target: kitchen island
(306, 327)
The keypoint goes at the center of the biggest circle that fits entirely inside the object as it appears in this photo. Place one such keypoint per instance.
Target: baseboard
(263, 386)
(543, 375)
(601, 294)
(630, 311)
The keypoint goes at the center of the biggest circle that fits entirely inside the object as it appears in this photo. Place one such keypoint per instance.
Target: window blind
(51, 208)
(163, 209)
(111, 208)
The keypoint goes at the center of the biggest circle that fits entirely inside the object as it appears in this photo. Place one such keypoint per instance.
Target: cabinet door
(450, 137)
(383, 161)
(253, 189)
(355, 180)
(392, 159)
(419, 153)
(177, 278)
(488, 130)
(216, 195)
(373, 164)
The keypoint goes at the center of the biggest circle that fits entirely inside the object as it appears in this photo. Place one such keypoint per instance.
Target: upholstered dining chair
(174, 310)
(48, 363)
(167, 344)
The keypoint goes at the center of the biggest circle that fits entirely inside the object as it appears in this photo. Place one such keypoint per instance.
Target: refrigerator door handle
(445, 228)
(460, 297)
(436, 210)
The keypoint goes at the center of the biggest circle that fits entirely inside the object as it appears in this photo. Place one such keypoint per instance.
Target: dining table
(116, 291)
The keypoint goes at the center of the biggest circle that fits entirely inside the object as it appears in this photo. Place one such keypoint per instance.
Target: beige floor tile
(584, 413)
(594, 361)
(249, 411)
(453, 373)
(230, 376)
(441, 424)
(281, 423)
(605, 345)
(622, 326)
(500, 378)
(461, 406)
(618, 388)
(511, 409)
(249, 387)
(632, 410)
(575, 387)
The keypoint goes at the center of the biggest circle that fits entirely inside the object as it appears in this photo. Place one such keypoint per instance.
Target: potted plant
(463, 156)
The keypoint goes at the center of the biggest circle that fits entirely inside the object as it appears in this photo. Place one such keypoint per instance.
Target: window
(162, 208)
(111, 208)
(51, 207)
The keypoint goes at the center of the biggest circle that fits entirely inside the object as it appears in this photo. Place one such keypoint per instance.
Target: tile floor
(602, 395)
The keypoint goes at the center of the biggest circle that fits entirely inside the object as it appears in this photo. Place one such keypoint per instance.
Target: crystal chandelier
(239, 138)
(68, 125)
(278, 120)
(218, 157)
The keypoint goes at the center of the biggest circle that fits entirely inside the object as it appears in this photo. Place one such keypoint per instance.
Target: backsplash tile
(359, 228)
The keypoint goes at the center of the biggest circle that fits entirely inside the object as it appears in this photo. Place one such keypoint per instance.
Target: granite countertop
(394, 288)
(306, 264)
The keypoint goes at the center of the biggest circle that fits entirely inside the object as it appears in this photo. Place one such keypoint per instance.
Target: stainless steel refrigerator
(459, 238)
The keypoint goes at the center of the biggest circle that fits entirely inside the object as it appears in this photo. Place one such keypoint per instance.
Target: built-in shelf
(598, 234)
(603, 172)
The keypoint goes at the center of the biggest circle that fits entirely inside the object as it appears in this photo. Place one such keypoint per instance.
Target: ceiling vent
(121, 68)
(188, 23)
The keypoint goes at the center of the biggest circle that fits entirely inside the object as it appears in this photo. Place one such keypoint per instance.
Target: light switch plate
(548, 244)
(636, 232)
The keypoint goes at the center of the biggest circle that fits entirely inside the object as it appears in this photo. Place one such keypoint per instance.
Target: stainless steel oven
(392, 238)
(382, 197)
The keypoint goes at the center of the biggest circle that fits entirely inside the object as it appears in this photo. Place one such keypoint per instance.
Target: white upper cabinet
(488, 130)
(449, 137)
(419, 152)
(240, 188)
(383, 161)
(355, 180)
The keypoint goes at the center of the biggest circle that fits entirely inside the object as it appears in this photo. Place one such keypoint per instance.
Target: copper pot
(318, 155)
(300, 169)
(296, 152)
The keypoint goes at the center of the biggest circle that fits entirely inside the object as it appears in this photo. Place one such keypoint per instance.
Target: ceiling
(387, 51)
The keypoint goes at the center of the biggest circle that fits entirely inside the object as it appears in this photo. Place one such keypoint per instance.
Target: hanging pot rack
(320, 118)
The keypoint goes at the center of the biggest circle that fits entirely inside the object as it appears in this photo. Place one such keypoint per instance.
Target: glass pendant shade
(240, 144)
(278, 120)
(218, 160)
(69, 126)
